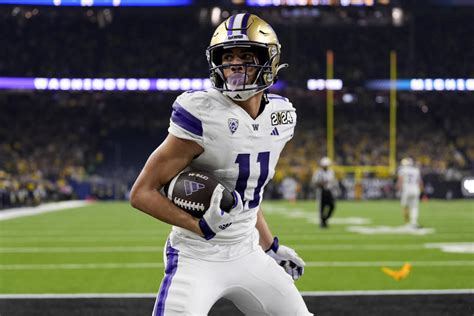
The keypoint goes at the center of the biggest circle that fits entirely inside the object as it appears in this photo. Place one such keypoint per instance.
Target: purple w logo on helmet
(190, 187)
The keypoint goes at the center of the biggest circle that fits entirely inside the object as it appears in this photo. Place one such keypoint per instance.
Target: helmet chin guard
(235, 86)
(237, 89)
(242, 95)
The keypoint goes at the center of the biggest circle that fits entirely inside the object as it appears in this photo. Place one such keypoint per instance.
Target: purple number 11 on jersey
(243, 160)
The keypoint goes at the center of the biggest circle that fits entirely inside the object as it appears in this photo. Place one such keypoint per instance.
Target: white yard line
(452, 247)
(353, 264)
(82, 266)
(40, 209)
(304, 293)
(286, 238)
(154, 265)
(112, 249)
(79, 249)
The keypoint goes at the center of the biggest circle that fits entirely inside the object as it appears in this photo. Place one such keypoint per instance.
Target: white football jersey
(326, 177)
(411, 178)
(240, 151)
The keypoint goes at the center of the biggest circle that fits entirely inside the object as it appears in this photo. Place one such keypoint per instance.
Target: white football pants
(411, 201)
(255, 283)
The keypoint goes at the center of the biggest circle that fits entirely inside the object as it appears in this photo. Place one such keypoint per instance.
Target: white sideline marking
(304, 293)
(390, 230)
(313, 217)
(40, 209)
(154, 265)
(456, 247)
(349, 221)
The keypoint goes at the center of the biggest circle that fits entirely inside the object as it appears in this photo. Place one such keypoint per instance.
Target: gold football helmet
(407, 161)
(325, 162)
(245, 30)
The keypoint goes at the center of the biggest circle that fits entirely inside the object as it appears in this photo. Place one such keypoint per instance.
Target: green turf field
(111, 248)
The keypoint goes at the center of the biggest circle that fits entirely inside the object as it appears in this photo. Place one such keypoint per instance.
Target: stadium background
(62, 143)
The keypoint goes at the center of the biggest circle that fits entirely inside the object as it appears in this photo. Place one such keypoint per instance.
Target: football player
(326, 183)
(409, 185)
(236, 131)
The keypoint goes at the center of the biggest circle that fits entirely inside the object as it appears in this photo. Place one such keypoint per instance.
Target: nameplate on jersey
(281, 117)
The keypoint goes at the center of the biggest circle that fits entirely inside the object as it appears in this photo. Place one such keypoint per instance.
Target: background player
(409, 185)
(237, 132)
(326, 184)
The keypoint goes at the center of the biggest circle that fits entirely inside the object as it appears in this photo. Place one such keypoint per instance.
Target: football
(192, 191)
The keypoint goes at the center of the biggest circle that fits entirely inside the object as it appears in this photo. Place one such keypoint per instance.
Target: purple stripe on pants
(171, 267)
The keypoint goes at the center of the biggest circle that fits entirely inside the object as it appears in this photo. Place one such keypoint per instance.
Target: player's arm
(398, 185)
(172, 156)
(286, 257)
(266, 237)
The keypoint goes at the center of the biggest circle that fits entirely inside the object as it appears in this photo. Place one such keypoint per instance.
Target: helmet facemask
(236, 85)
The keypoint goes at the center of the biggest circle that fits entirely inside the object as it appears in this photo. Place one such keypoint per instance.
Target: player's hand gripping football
(216, 220)
(287, 258)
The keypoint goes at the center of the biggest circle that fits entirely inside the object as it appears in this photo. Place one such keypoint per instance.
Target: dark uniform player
(325, 182)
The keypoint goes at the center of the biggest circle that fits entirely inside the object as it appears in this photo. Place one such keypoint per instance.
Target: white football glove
(287, 258)
(216, 220)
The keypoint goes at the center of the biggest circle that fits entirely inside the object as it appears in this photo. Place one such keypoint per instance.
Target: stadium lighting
(324, 84)
(215, 15)
(397, 16)
(105, 84)
(304, 3)
(427, 84)
(101, 3)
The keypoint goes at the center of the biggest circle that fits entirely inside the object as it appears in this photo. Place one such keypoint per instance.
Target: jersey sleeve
(186, 118)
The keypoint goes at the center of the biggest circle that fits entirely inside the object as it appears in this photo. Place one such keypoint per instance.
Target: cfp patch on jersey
(233, 124)
(281, 117)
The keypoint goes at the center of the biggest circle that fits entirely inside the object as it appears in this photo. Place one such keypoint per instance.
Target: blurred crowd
(52, 142)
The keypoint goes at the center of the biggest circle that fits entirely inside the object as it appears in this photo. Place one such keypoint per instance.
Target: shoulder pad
(272, 96)
(281, 102)
(186, 113)
(192, 99)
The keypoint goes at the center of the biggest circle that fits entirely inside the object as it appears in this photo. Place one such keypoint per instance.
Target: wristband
(274, 246)
(206, 230)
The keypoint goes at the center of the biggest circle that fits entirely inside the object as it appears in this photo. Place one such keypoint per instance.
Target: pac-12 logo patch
(233, 124)
(282, 117)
